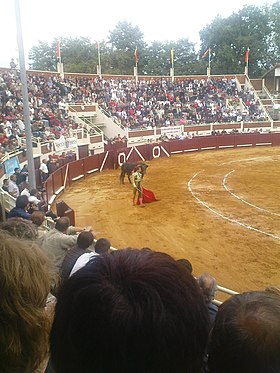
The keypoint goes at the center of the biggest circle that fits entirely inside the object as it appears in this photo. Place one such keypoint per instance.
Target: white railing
(7, 202)
(221, 289)
(257, 99)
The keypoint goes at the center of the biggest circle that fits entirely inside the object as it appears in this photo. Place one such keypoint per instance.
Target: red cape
(148, 196)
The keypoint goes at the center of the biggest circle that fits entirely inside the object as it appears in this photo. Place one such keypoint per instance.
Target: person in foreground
(130, 311)
(24, 321)
(246, 335)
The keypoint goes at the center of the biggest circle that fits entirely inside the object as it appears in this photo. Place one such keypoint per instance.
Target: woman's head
(24, 324)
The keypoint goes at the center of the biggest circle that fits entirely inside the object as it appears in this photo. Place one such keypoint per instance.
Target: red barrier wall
(91, 163)
(57, 180)
(207, 142)
(76, 170)
(276, 139)
(49, 188)
(106, 160)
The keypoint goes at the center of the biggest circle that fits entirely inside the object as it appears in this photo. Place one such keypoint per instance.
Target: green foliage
(229, 38)
(42, 57)
(255, 27)
(157, 59)
(78, 55)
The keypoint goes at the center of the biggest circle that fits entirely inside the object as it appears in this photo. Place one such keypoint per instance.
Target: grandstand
(84, 124)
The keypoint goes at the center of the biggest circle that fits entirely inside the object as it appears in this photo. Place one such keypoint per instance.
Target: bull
(127, 168)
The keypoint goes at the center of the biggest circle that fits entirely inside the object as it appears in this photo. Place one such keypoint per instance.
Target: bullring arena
(213, 164)
(220, 209)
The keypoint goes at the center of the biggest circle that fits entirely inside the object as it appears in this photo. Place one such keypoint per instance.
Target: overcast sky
(158, 20)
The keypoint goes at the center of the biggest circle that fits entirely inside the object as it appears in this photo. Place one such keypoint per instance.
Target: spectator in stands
(20, 211)
(13, 187)
(130, 311)
(246, 335)
(102, 246)
(24, 323)
(44, 172)
(42, 223)
(20, 228)
(33, 198)
(59, 240)
(18, 176)
(32, 208)
(5, 185)
(12, 64)
(208, 286)
(24, 172)
(186, 263)
(84, 241)
(25, 190)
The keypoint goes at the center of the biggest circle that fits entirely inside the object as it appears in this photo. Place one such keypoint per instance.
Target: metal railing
(257, 99)
(110, 116)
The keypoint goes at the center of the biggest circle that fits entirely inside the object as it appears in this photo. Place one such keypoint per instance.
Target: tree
(77, 54)
(229, 38)
(255, 27)
(42, 57)
(122, 41)
(157, 59)
(185, 58)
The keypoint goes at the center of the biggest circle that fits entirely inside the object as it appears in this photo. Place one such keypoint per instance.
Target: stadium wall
(112, 159)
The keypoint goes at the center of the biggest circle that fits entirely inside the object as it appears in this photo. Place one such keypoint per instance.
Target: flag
(172, 57)
(97, 45)
(247, 56)
(58, 49)
(136, 55)
(205, 53)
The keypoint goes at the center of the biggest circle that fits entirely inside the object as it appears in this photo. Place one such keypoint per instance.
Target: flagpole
(58, 60)
(209, 63)
(172, 65)
(247, 62)
(136, 65)
(99, 60)
(24, 90)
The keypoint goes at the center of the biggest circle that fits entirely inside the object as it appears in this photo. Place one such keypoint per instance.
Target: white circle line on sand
(243, 200)
(223, 216)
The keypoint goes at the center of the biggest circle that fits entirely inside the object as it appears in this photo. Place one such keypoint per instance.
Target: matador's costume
(136, 179)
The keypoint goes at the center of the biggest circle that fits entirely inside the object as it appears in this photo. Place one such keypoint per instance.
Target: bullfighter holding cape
(144, 195)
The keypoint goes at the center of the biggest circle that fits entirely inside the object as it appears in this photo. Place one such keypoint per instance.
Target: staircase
(262, 95)
(108, 124)
(269, 103)
(96, 120)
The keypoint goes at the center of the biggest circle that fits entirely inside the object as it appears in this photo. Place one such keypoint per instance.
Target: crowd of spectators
(149, 103)
(130, 310)
(163, 103)
(127, 310)
(47, 107)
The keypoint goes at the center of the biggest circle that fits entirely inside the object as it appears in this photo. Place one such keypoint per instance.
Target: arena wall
(112, 159)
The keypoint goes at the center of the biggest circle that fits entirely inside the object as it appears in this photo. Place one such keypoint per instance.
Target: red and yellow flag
(205, 53)
(136, 55)
(58, 49)
(247, 56)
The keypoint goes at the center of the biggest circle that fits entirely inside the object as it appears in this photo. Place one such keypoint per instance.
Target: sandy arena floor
(219, 209)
